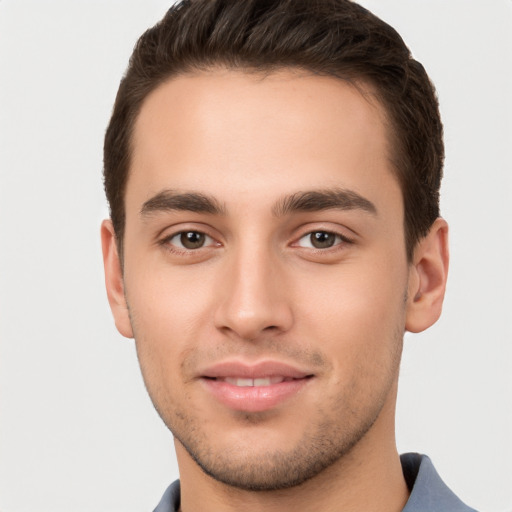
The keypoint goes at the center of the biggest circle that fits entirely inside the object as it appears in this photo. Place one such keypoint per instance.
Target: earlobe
(114, 280)
(427, 278)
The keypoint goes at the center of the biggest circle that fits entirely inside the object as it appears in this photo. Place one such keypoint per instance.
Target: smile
(254, 387)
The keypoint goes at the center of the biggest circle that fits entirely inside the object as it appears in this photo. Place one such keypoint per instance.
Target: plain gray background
(77, 431)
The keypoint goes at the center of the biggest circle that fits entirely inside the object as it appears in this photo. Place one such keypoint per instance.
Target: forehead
(226, 131)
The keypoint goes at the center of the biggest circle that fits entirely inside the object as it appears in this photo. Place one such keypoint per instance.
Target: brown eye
(321, 240)
(190, 240)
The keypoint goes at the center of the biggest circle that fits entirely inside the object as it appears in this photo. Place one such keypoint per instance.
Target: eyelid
(341, 240)
(175, 231)
(345, 233)
(179, 233)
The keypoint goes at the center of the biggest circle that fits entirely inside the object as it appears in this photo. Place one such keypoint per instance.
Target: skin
(258, 290)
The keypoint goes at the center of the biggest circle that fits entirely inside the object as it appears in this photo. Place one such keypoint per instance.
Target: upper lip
(253, 370)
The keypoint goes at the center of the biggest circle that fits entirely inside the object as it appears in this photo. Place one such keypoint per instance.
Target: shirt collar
(428, 491)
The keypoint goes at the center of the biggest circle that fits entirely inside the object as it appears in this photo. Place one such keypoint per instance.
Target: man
(273, 173)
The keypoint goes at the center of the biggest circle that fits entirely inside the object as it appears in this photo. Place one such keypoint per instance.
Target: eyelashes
(188, 242)
(322, 240)
(189, 245)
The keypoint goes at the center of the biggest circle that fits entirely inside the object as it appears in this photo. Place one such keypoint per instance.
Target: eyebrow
(308, 201)
(171, 200)
(318, 200)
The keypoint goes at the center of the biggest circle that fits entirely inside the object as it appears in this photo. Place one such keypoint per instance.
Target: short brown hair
(337, 38)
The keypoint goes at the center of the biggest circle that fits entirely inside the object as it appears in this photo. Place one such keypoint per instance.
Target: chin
(265, 464)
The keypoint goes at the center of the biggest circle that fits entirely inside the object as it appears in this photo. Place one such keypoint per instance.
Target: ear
(114, 279)
(427, 278)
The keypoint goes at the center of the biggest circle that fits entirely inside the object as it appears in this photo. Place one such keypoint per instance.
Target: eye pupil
(322, 239)
(192, 239)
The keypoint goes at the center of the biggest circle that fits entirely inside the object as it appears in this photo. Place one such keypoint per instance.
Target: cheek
(168, 305)
(359, 331)
(169, 312)
(359, 316)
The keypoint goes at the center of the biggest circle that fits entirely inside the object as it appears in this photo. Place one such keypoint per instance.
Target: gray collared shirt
(428, 492)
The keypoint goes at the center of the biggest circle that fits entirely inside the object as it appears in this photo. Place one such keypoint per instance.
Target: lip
(253, 398)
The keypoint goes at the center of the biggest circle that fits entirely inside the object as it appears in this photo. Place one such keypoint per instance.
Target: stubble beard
(321, 445)
(275, 470)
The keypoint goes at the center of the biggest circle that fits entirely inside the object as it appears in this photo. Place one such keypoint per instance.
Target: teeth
(264, 381)
(240, 382)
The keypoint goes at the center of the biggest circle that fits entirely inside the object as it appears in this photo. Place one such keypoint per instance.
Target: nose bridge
(253, 299)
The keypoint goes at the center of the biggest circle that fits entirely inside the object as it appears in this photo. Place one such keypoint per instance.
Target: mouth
(254, 388)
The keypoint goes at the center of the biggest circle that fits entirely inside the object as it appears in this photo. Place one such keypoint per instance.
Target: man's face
(265, 271)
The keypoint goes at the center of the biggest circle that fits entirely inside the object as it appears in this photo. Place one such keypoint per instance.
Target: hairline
(363, 85)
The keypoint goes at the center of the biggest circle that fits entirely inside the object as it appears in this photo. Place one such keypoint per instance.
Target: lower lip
(254, 398)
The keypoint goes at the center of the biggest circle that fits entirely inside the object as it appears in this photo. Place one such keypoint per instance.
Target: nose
(254, 300)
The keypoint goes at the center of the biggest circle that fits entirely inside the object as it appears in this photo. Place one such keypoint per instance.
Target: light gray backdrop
(77, 432)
